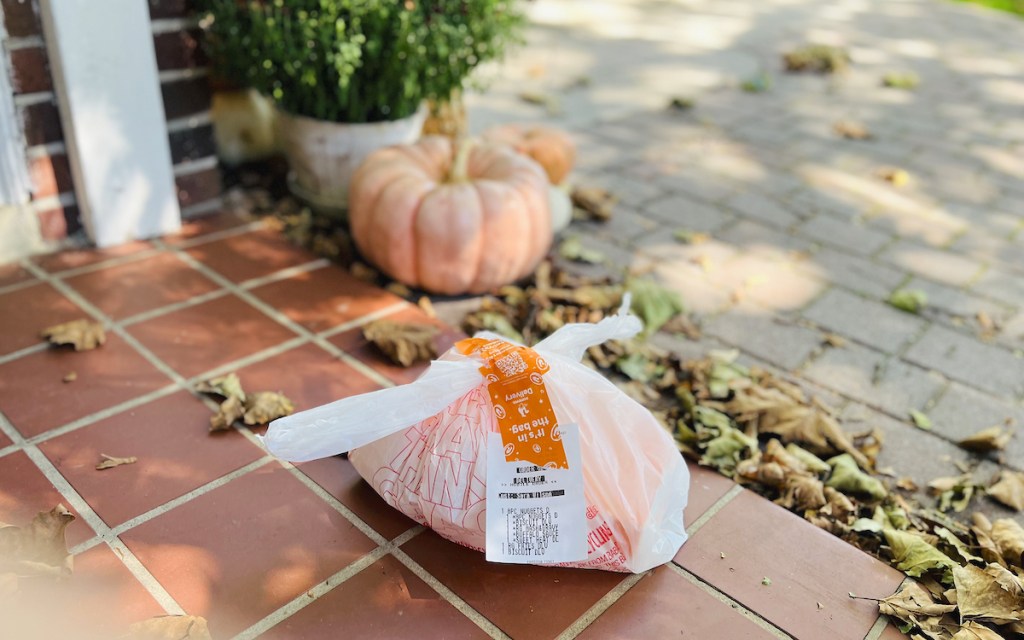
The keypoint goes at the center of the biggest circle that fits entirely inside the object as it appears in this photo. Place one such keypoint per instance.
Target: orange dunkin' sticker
(526, 418)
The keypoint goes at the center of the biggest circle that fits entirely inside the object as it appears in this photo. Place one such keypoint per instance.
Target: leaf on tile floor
(230, 409)
(975, 631)
(572, 249)
(592, 203)
(404, 343)
(170, 628)
(766, 581)
(82, 334)
(653, 303)
(906, 80)
(851, 130)
(990, 439)
(227, 386)
(847, 477)
(912, 601)
(687, 236)
(909, 300)
(109, 462)
(816, 58)
(920, 420)
(263, 407)
(834, 340)
(39, 549)
(894, 175)
(1009, 490)
(70, 376)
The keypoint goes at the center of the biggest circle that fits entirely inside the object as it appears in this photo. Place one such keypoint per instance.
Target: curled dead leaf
(404, 343)
(230, 410)
(109, 462)
(38, 550)
(991, 439)
(1009, 490)
(992, 594)
(227, 386)
(82, 334)
(263, 407)
(1008, 537)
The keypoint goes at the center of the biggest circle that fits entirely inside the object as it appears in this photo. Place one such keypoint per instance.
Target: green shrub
(356, 60)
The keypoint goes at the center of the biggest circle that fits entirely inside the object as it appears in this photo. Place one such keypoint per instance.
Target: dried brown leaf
(976, 631)
(82, 334)
(399, 289)
(38, 549)
(364, 272)
(1008, 537)
(263, 407)
(109, 462)
(911, 603)
(70, 376)
(851, 130)
(594, 203)
(802, 492)
(1009, 490)
(227, 386)
(992, 594)
(991, 439)
(170, 628)
(230, 410)
(404, 343)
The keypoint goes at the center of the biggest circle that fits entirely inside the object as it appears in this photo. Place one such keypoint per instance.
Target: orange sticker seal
(515, 383)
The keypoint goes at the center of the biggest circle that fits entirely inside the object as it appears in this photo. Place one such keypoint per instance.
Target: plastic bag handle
(350, 423)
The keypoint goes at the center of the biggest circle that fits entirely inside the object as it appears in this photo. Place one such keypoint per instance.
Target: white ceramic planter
(323, 155)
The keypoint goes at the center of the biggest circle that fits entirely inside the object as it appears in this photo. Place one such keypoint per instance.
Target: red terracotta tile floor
(210, 525)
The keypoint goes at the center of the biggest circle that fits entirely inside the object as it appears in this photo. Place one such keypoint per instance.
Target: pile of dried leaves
(255, 408)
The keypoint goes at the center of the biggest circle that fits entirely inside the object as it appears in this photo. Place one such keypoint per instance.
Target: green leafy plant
(356, 60)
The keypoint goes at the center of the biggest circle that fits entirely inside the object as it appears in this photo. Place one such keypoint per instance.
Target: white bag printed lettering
(423, 446)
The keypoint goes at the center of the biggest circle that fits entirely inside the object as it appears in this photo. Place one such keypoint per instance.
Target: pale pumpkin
(552, 148)
(448, 220)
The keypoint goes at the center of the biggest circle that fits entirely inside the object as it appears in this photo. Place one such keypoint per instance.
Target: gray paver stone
(941, 266)
(780, 344)
(873, 323)
(968, 360)
(856, 273)
(850, 235)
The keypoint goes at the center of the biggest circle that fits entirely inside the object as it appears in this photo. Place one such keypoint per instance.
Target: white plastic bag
(422, 446)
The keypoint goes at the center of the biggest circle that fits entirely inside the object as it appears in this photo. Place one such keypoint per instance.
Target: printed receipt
(536, 514)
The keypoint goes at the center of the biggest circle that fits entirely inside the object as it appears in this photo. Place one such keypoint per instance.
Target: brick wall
(183, 76)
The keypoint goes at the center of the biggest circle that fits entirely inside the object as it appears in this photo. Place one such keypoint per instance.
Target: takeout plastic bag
(422, 447)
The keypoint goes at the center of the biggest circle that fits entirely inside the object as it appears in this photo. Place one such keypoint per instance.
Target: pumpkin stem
(460, 166)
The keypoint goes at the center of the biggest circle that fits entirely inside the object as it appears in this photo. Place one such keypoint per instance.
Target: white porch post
(105, 78)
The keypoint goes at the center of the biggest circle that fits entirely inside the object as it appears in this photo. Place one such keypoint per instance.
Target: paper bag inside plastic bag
(423, 448)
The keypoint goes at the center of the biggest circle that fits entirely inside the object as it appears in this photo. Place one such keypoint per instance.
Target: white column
(105, 78)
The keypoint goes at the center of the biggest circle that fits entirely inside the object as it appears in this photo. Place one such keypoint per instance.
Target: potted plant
(351, 76)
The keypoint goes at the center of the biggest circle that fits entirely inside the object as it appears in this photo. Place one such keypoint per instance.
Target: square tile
(75, 258)
(195, 228)
(664, 604)
(340, 479)
(760, 539)
(353, 343)
(208, 335)
(101, 600)
(127, 289)
(14, 273)
(707, 486)
(25, 491)
(240, 552)
(250, 255)
(384, 600)
(175, 450)
(35, 397)
(26, 312)
(4, 440)
(524, 601)
(324, 298)
(308, 375)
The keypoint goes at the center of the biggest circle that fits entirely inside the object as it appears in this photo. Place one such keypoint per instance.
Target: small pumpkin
(552, 148)
(449, 219)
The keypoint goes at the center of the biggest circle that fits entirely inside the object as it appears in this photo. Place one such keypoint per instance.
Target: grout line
(104, 264)
(284, 274)
(14, 355)
(453, 598)
(191, 121)
(171, 308)
(714, 509)
(726, 599)
(46, 149)
(196, 210)
(188, 167)
(598, 609)
(312, 595)
(141, 573)
(23, 42)
(18, 285)
(102, 414)
(173, 25)
(880, 623)
(29, 99)
(195, 493)
(65, 199)
(358, 322)
(173, 75)
(206, 238)
(259, 356)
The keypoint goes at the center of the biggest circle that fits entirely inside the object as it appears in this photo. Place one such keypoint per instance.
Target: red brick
(384, 600)
(805, 564)
(238, 553)
(198, 187)
(42, 123)
(59, 223)
(179, 50)
(20, 18)
(30, 70)
(51, 175)
(192, 144)
(185, 97)
(667, 605)
(171, 8)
